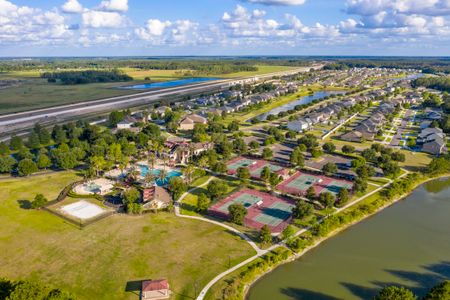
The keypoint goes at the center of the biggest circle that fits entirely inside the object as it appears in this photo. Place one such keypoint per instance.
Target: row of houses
(320, 115)
(431, 140)
(368, 128)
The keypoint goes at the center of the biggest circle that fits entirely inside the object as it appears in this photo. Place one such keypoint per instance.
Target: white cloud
(72, 7)
(102, 19)
(277, 2)
(114, 5)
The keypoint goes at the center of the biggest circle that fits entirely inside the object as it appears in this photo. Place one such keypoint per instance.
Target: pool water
(167, 84)
(92, 187)
(155, 172)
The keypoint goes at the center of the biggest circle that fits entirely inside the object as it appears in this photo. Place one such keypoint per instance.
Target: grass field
(262, 69)
(106, 260)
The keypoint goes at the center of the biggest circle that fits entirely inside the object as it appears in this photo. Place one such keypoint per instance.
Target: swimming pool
(167, 84)
(155, 172)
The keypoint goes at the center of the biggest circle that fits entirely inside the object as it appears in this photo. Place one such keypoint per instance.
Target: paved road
(24, 120)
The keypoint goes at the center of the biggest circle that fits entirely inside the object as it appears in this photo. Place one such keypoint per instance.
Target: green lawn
(262, 69)
(37, 93)
(106, 260)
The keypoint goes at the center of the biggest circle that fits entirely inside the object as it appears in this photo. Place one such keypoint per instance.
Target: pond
(299, 101)
(167, 84)
(406, 244)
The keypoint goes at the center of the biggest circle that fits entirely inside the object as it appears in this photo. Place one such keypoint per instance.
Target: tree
(254, 145)
(7, 164)
(343, 196)
(34, 141)
(329, 168)
(15, 143)
(302, 209)
(391, 169)
(438, 165)
(203, 202)
(329, 147)
(439, 292)
(316, 152)
(395, 293)
(348, 149)
(358, 162)
(233, 126)
(237, 213)
(311, 193)
(44, 136)
(274, 180)
(97, 163)
(265, 174)
(4, 149)
(131, 195)
(297, 158)
(115, 117)
(26, 289)
(220, 167)
(43, 161)
(188, 173)
(26, 167)
(243, 173)
(39, 201)
(365, 171)
(327, 199)
(177, 187)
(216, 189)
(265, 235)
(288, 232)
(360, 185)
(267, 153)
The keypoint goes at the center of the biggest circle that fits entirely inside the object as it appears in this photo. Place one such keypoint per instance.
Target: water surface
(406, 244)
(299, 101)
(167, 84)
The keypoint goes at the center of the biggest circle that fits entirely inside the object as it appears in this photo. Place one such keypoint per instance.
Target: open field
(37, 93)
(107, 259)
(261, 70)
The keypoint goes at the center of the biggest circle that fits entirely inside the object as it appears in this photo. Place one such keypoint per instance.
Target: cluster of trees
(89, 76)
(440, 291)
(441, 83)
(73, 144)
(384, 157)
(28, 289)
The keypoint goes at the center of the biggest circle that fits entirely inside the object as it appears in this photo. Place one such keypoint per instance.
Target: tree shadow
(24, 204)
(134, 287)
(418, 282)
(303, 294)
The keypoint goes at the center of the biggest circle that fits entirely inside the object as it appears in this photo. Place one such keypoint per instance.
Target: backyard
(107, 259)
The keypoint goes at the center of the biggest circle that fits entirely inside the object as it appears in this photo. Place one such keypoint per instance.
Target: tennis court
(262, 209)
(238, 162)
(299, 183)
(273, 168)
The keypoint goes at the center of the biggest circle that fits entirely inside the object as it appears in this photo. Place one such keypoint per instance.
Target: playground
(299, 183)
(255, 166)
(262, 209)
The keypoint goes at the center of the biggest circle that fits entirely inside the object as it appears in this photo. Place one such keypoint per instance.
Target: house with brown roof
(155, 289)
(156, 197)
(188, 122)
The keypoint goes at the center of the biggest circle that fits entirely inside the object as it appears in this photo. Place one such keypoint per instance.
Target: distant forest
(83, 77)
(198, 66)
(427, 65)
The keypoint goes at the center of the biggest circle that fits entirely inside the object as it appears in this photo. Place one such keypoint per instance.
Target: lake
(299, 101)
(406, 244)
(167, 84)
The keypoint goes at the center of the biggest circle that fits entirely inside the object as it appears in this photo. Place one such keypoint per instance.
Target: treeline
(27, 289)
(427, 65)
(441, 83)
(89, 76)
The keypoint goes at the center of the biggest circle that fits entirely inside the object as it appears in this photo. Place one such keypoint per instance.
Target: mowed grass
(262, 69)
(155, 75)
(106, 260)
(37, 93)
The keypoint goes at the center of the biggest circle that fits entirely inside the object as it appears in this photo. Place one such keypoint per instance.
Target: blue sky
(224, 27)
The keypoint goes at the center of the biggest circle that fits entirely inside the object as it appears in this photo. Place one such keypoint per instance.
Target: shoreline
(334, 233)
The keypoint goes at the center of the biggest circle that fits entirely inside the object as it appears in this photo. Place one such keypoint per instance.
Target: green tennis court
(335, 186)
(272, 168)
(303, 182)
(247, 200)
(274, 214)
(244, 162)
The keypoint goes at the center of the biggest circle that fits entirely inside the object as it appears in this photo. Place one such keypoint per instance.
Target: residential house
(155, 289)
(298, 126)
(188, 122)
(156, 197)
(126, 123)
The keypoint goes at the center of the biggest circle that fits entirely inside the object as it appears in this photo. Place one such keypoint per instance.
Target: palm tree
(188, 172)
(162, 175)
(152, 160)
(123, 163)
(149, 178)
(133, 175)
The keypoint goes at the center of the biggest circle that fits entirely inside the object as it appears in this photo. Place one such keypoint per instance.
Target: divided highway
(20, 123)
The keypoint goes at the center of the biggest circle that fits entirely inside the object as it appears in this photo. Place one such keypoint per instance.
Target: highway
(19, 123)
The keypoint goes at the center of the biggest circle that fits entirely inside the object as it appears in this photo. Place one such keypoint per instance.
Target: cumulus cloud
(277, 2)
(114, 5)
(72, 7)
(102, 19)
(22, 24)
